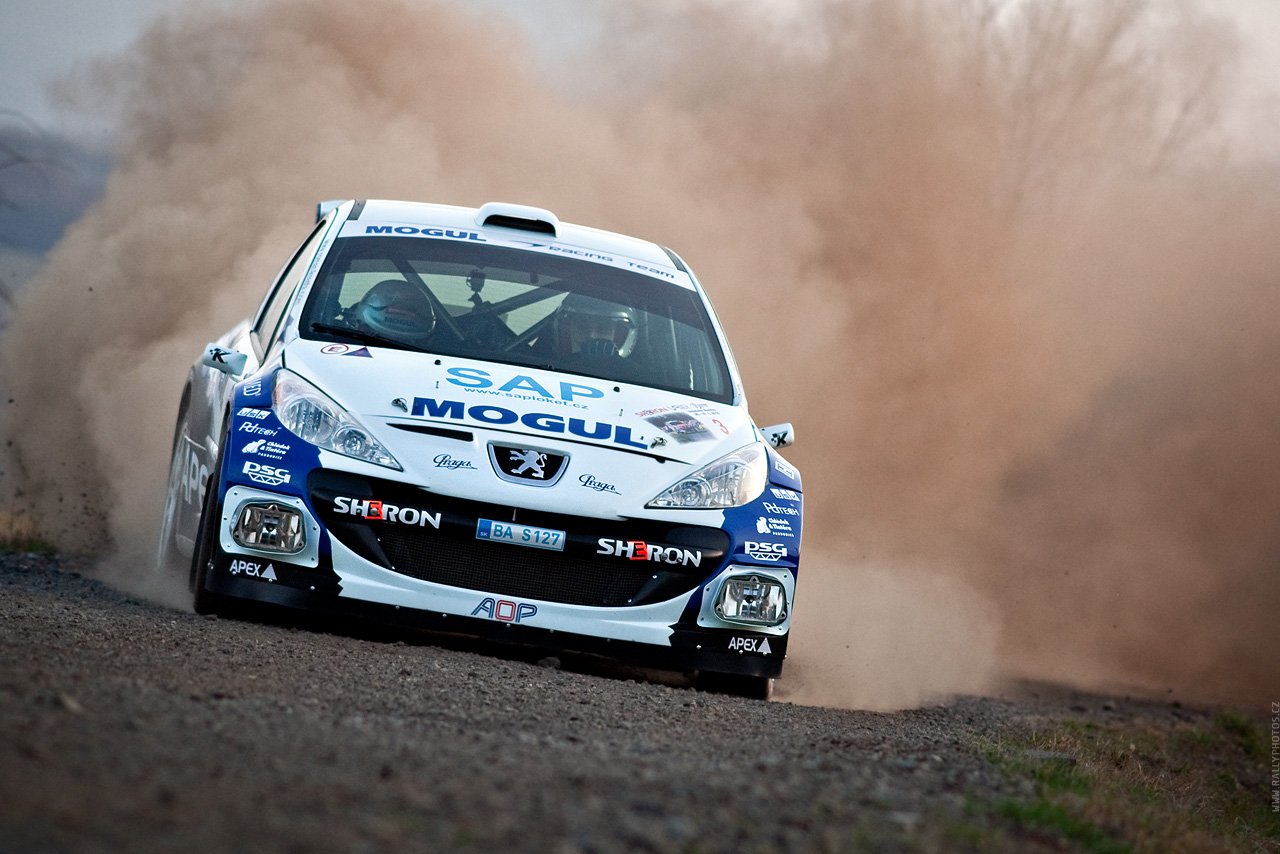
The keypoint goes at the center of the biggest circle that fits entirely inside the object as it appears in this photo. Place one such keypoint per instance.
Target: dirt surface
(127, 726)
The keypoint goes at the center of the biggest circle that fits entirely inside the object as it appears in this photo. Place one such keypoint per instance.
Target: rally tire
(207, 549)
(167, 554)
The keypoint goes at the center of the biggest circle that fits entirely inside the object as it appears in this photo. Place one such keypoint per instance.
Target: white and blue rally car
(490, 422)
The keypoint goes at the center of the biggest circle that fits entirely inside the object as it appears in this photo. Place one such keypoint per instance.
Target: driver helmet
(398, 310)
(594, 327)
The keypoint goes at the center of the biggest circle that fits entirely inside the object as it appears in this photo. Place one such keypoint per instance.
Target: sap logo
(504, 610)
(768, 552)
(194, 477)
(785, 468)
(256, 414)
(486, 414)
(425, 232)
(248, 567)
(444, 461)
(780, 509)
(253, 389)
(266, 475)
(474, 378)
(380, 511)
(591, 483)
(760, 645)
(784, 494)
(256, 429)
(640, 550)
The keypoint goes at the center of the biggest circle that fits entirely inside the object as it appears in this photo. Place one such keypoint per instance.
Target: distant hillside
(46, 183)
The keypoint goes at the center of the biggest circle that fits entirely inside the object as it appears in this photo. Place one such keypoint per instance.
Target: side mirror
(228, 361)
(780, 435)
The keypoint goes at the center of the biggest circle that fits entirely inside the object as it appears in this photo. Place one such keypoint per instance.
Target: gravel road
(127, 726)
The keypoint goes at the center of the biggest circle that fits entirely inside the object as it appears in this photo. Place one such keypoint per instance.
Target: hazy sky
(42, 40)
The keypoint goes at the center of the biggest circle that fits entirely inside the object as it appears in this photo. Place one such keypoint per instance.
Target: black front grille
(452, 555)
(518, 571)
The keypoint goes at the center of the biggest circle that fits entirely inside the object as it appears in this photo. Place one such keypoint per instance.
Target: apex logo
(758, 645)
(254, 569)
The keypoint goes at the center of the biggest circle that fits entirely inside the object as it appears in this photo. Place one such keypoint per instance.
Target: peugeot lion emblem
(530, 466)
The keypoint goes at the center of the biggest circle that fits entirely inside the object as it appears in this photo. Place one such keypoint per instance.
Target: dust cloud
(1002, 264)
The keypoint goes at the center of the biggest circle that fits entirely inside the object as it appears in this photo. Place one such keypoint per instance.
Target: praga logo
(641, 550)
(380, 511)
(599, 486)
(444, 461)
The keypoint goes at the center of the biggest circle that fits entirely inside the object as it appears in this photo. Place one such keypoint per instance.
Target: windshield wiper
(366, 337)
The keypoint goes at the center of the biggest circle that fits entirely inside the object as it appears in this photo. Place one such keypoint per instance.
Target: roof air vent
(518, 216)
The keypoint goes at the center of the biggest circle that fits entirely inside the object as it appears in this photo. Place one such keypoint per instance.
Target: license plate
(520, 535)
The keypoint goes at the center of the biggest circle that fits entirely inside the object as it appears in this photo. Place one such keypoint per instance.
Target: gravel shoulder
(128, 726)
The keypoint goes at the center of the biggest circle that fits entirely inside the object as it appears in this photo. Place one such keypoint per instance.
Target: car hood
(611, 426)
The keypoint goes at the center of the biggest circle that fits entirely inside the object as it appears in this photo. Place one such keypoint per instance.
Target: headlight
(730, 481)
(313, 416)
(752, 599)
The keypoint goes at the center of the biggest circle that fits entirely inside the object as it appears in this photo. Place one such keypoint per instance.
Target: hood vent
(519, 217)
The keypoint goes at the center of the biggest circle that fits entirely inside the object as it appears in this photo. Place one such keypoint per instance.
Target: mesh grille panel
(516, 571)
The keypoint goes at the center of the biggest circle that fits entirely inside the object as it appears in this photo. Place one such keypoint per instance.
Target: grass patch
(1046, 815)
(19, 534)
(1188, 785)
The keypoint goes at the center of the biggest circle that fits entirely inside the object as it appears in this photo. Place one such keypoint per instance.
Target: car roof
(497, 214)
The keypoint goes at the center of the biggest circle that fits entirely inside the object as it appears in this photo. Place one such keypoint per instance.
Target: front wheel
(207, 549)
(167, 551)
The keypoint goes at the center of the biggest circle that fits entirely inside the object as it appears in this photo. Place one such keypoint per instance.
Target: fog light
(270, 527)
(755, 599)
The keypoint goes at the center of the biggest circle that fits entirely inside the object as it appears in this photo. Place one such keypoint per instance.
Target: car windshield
(519, 307)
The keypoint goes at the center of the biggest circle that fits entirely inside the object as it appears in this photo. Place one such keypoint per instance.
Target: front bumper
(631, 590)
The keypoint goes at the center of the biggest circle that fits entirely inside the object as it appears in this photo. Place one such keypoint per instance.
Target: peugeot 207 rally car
(490, 422)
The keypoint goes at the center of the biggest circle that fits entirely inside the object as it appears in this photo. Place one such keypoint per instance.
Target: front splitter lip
(691, 649)
(360, 579)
